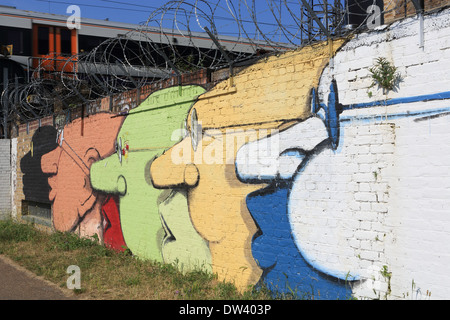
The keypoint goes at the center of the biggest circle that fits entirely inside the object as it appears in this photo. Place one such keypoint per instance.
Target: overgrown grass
(107, 274)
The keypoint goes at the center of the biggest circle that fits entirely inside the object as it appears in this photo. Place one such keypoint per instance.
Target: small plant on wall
(385, 75)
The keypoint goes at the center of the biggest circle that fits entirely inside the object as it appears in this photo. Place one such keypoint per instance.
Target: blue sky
(267, 13)
(135, 11)
(120, 10)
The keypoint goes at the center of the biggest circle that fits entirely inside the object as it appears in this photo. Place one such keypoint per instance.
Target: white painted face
(280, 154)
(317, 211)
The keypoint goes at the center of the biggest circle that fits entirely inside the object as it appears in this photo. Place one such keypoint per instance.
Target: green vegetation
(385, 75)
(107, 274)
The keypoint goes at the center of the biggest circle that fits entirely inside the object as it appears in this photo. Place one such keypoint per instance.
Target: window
(66, 41)
(18, 37)
(37, 212)
(43, 40)
(87, 43)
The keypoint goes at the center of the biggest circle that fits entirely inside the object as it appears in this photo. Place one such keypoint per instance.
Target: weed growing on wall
(387, 276)
(384, 75)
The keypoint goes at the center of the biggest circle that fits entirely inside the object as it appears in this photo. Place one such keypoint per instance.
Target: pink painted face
(75, 206)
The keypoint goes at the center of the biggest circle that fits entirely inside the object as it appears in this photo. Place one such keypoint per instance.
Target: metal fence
(181, 37)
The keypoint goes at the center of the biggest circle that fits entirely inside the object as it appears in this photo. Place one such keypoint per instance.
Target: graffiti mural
(112, 230)
(203, 163)
(286, 175)
(35, 184)
(216, 207)
(76, 207)
(151, 231)
(280, 159)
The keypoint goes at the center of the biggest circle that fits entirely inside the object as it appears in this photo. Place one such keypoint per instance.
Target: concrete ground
(17, 283)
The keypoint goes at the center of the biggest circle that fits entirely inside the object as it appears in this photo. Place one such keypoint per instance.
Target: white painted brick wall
(420, 207)
(5, 176)
(395, 209)
(13, 178)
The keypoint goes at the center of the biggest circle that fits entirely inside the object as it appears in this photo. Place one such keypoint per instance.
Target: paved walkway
(17, 283)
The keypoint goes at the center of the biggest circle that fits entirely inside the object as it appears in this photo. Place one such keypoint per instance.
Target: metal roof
(12, 17)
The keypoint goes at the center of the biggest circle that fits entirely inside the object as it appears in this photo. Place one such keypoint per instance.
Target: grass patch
(107, 274)
(14, 232)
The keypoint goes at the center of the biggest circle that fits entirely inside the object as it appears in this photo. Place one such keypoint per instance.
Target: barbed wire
(180, 37)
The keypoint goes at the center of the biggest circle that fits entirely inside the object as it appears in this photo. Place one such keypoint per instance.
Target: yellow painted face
(218, 125)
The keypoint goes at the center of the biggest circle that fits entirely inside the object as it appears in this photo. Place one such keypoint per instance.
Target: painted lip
(168, 236)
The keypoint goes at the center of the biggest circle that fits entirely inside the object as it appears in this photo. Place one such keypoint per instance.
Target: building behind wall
(399, 9)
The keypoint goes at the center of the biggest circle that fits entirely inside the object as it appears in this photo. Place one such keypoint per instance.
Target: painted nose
(175, 175)
(168, 171)
(49, 162)
(281, 154)
(107, 180)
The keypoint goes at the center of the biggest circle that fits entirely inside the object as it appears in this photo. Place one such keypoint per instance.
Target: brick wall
(35, 189)
(5, 178)
(400, 9)
(261, 180)
(29, 153)
(395, 166)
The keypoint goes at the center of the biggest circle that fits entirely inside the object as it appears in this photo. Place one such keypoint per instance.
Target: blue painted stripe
(420, 113)
(422, 98)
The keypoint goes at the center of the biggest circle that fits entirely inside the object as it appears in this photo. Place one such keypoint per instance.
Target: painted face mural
(182, 245)
(278, 160)
(75, 206)
(203, 163)
(112, 231)
(284, 204)
(215, 199)
(310, 197)
(151, 232)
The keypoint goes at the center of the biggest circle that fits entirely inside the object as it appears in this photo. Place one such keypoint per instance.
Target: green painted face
(146, 133)
(182, 245)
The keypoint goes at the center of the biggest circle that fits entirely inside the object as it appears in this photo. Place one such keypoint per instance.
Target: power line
(151, 7)
(89, 5)
(130, 4)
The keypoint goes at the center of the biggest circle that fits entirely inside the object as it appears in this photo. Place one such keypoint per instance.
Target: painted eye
(195, 130)
(60, 137)
(185, 126)
(119, 149)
